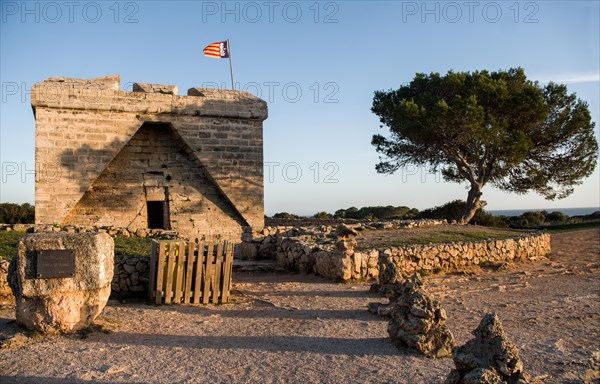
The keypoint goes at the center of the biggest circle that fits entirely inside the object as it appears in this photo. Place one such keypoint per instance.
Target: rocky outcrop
(418, 320)
(63, 304)
(488, 358)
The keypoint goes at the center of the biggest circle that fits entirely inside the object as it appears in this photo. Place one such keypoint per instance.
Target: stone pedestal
(63, 304)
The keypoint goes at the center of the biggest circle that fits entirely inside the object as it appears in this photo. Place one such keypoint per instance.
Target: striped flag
(218, 50)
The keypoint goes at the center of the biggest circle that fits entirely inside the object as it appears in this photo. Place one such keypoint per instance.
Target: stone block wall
(302, 254)
(102, 153)
(131, 277)
(455, 256)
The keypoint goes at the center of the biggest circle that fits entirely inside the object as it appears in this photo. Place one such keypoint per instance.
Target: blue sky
(316, 63)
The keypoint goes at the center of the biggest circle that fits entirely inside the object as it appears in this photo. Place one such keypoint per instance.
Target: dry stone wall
(131, 277)
(454, 256)
(314, 251)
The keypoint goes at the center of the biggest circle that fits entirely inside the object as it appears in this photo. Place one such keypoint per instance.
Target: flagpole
(230, 66)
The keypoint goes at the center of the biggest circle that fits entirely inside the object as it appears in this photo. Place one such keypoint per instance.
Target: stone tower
(148, 158)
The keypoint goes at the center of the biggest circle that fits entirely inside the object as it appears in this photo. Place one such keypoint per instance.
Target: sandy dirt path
(301, 328)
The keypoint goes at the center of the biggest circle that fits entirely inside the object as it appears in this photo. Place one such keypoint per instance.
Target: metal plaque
(55, 263)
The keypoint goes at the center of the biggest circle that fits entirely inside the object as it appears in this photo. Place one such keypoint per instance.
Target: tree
(286, 216)
(556, 217)
(481, 127)
(11, 213)
(379, 212)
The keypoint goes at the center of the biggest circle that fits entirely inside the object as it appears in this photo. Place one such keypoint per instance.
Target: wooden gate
(193, 272)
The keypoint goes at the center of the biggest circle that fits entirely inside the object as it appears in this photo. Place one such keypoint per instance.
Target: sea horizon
(567, 211)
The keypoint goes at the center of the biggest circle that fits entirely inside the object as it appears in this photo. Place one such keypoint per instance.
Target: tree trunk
(474, 203)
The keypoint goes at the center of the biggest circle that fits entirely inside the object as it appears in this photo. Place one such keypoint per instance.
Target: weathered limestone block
(62, 304)
(6, 296)
(347, 245)
(418, 320)
(344, 232)
(488, 358)
(155, 88)
(334, 265)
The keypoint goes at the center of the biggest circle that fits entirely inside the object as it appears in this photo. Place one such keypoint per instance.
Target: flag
(218, 50)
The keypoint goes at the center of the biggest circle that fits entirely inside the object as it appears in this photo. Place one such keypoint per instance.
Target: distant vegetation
(377, 213)
(448, 211)
(17, 214)
(286, 216)
(353, 213)
(529, 219)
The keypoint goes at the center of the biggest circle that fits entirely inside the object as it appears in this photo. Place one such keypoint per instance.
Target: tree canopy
(11, 213)
(379, 213)
(488, 127)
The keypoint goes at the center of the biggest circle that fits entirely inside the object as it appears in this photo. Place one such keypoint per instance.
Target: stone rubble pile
(489, 358)
(418, 320)
(389, 276)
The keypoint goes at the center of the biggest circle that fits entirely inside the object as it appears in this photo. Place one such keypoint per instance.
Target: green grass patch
(8, 244)
(132, 247)
(571, 227)
(456, 236)
(447, 236)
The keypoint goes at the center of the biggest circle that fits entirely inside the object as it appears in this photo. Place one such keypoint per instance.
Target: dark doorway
(156, 214)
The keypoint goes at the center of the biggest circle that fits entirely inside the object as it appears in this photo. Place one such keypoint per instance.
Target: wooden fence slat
(189, 273)
(179, 278)
(199, 272)
(170, 267)
(227, 265)
(179, 274)
(153, 262)
(208, 274)
(160, 273)
(216, 294)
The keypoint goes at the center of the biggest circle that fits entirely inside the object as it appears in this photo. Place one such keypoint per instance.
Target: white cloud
(589, 77)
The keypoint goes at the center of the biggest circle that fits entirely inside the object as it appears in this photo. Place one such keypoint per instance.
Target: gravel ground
(300, 328)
